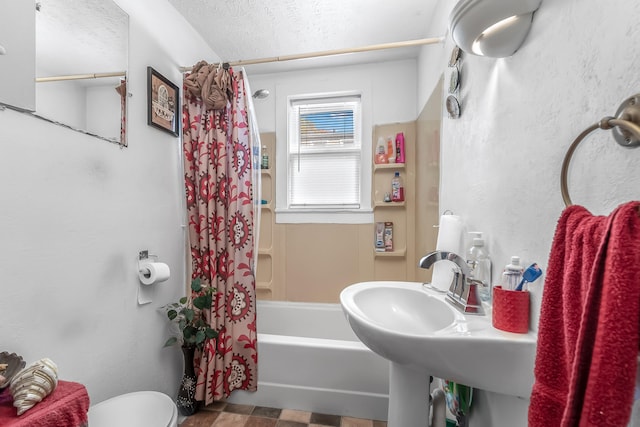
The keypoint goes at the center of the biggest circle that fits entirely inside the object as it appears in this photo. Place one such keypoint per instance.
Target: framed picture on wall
(163, 103)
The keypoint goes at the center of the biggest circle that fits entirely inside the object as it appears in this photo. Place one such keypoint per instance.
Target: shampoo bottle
(400, 148)
(480, 265)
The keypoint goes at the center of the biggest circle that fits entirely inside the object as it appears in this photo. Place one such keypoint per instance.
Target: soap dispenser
(480, 265)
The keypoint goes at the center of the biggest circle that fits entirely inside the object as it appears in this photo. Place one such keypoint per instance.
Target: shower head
(261, 94)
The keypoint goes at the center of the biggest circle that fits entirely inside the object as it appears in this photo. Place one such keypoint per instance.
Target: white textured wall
(76, 210)
(501, 160)
(18, 38)
(392, 86)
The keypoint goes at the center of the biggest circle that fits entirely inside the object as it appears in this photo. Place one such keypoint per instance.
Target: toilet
(137, 409)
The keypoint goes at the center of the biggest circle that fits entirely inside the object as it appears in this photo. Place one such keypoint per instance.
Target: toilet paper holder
(144, 257)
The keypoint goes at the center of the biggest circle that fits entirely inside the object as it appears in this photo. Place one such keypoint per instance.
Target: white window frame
(354, 215)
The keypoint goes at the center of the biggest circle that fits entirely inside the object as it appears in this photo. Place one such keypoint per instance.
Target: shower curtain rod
(80, 77)
(408, 43)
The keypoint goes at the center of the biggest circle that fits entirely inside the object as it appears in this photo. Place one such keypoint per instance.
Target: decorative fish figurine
(33, 383)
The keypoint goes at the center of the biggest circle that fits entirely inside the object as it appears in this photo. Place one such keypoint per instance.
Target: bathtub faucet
(463, 290)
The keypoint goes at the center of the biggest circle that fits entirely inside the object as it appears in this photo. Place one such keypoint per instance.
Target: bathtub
(310, 360)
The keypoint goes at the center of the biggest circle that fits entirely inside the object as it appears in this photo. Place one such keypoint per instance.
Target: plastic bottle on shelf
(512, 274)
(264, 164)
(400, 148)
(480, 265)
(397, 188)
(391, 150)
(381, 152)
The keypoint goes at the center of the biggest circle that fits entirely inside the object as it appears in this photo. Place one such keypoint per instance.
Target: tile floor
(221, 414)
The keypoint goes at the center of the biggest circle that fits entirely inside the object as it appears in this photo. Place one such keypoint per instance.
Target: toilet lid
(138, 409)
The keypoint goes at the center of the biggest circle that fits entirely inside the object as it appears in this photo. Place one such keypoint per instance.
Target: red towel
(66, 406)
(589, 329)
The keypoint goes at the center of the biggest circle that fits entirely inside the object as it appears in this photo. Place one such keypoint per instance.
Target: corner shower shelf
(389, 204)
(396, 254)
(388, 166)
(263, 286)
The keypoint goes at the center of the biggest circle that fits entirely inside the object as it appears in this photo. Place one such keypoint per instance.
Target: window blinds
(325, 153)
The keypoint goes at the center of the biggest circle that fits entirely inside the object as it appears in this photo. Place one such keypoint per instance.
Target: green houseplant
(187, 315)
(191, 331)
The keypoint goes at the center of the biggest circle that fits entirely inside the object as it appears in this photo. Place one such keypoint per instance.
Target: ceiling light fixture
(494, 28)
(3, 51)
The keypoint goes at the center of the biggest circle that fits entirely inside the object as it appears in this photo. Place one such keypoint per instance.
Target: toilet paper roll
(450, 233)
(154, 272)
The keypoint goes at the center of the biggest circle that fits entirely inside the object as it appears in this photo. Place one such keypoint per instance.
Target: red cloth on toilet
(589, 327)
(66, 406)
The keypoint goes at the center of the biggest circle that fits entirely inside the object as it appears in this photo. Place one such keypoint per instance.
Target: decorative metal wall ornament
(453, 107)
(454, 79)
(455, 56)
(452, 103)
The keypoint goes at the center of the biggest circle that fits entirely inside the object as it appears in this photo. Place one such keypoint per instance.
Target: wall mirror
(17, 55)
(81, 61)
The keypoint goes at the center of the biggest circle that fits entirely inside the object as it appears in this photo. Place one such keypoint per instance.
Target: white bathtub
(310, 360)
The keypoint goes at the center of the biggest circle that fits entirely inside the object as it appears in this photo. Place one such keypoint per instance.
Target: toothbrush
(529, 275)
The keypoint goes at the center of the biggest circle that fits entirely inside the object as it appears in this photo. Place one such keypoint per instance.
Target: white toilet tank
(137, 409)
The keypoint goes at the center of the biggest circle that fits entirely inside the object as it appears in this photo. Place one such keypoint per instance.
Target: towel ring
(626, 131)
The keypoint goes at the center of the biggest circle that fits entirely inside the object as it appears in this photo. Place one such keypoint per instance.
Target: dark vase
(186, 401)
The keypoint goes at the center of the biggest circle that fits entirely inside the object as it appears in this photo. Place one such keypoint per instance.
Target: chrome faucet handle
(457, 285)
(473, 296)
(467, 298)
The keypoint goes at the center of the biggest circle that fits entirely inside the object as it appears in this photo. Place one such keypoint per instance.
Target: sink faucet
(463, 290)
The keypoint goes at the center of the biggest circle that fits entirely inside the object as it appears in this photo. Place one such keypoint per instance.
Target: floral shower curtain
(219, 159)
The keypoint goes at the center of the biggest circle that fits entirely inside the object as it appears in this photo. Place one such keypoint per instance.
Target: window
(323, 164)
(324, 154)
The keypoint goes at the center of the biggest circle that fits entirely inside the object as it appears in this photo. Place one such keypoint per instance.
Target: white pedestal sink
(421, 334)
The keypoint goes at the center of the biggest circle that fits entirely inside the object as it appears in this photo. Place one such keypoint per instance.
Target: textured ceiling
(80, 36)
(249, 29)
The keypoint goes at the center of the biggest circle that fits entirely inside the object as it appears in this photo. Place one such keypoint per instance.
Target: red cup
(510, 310)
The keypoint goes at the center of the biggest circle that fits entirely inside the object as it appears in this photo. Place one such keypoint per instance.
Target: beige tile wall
(428, 177)
(314, 262)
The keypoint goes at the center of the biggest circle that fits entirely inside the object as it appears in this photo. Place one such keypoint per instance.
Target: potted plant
(187, 316)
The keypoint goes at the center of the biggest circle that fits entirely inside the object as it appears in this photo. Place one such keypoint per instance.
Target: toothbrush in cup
(530, 275)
